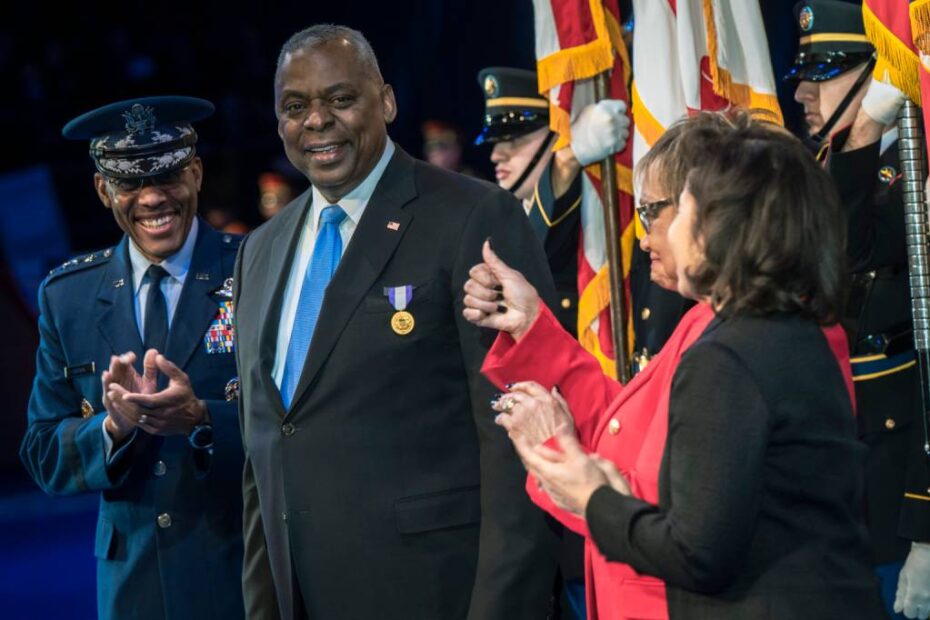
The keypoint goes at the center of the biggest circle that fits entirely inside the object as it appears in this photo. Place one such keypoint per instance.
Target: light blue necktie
(326, 253)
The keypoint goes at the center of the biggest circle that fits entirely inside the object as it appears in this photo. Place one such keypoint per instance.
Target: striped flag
(920, 33)
(693, 55)
(575, 41)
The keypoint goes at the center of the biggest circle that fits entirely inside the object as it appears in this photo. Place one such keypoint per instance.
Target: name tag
(82, 369)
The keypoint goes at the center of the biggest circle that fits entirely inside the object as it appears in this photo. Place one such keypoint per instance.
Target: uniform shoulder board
(79, 263)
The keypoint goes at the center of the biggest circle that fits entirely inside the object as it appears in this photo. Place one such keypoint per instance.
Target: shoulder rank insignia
(221, 334)
(94, 258)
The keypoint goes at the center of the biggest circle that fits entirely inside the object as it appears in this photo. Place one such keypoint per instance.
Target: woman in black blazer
(761, 483)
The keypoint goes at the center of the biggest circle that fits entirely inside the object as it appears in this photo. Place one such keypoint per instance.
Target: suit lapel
(116, 317)
(196, 306)
(288, 224)
(372, 246)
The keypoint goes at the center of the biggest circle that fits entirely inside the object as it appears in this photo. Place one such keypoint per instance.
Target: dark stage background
(59, 61)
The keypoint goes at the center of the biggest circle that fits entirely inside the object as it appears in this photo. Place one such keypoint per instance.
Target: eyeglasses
(131, 186)
(648, 212)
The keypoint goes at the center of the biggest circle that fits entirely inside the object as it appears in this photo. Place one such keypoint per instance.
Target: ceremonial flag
(920, 33)
(575, 41)
(888, 27)
(693, 55)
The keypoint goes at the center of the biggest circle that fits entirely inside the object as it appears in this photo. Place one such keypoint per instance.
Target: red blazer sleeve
(549, 355)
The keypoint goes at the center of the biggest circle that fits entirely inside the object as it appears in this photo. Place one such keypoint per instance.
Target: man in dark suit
(376, 485)
(851, 119)
(157, 437)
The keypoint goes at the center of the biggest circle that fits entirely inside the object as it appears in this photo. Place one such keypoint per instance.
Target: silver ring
(143, 419)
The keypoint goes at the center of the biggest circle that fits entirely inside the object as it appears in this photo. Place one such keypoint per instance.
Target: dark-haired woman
(760, 491)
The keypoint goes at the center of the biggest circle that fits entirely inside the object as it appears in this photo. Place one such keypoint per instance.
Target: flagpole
(912, 161)
(614, 256)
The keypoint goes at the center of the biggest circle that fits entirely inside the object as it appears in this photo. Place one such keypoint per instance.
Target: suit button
(160, 468)
(613, 427)
(164, 520)
(646, 313)
(288, 429)
(889, 423)
(566, 303)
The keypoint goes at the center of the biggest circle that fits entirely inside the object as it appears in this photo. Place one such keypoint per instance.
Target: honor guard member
(516, 122)
(850, 120)
(134, 360)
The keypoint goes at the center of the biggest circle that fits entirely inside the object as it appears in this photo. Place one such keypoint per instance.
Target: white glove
(913, 595)
(600, 130)
(882, 101)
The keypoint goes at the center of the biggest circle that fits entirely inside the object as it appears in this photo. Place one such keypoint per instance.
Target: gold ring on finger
(508, 405)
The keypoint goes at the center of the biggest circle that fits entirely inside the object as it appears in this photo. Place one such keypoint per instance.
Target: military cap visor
(142, 137)
(831, 40)
(513, 105)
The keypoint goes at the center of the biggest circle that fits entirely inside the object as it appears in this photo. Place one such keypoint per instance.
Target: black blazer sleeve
(517, 553)
(718, 431)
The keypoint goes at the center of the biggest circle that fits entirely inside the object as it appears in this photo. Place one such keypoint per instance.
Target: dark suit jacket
(386, 491)
(889, 404)
(190, 568)
(760, 490)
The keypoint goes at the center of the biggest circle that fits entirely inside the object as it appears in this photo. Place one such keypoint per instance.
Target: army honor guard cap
(832, 40)
(139, 138)
(513, 105)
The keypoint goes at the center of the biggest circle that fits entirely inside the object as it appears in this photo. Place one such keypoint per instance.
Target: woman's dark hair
(770, 225)
(682, 146)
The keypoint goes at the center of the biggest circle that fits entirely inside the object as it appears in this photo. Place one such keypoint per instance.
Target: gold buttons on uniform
(613, 427)
(566, 303)
(163, 520)
(889, 423)
(646, 313)
(87, 409)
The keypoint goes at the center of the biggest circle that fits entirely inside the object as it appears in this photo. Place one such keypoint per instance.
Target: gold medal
(402, 323)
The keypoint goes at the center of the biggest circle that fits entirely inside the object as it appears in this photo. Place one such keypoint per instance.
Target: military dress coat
(169, 534)
(878, 324)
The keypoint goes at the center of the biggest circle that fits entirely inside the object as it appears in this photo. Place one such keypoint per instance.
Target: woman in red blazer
(625, 425)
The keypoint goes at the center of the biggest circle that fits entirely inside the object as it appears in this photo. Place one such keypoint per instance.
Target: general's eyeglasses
(165, 179)
(649, 211)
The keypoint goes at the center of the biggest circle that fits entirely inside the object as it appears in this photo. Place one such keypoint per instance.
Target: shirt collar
(888, 138)
(354, 202)
(177, 265)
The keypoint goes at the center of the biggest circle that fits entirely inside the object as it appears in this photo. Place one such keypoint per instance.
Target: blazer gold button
(566, 303)
(288, 429)
(646, 313)
(613, 427)
(160, 468)
(164, 520)
(889, 423)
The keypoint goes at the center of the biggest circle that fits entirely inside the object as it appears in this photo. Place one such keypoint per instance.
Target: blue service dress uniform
(169, 533)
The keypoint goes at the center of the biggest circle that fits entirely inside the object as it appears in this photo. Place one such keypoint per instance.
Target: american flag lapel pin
(395, 226)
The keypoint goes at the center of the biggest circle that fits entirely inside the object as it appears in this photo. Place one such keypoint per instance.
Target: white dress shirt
(353, 204)
(177, 265)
